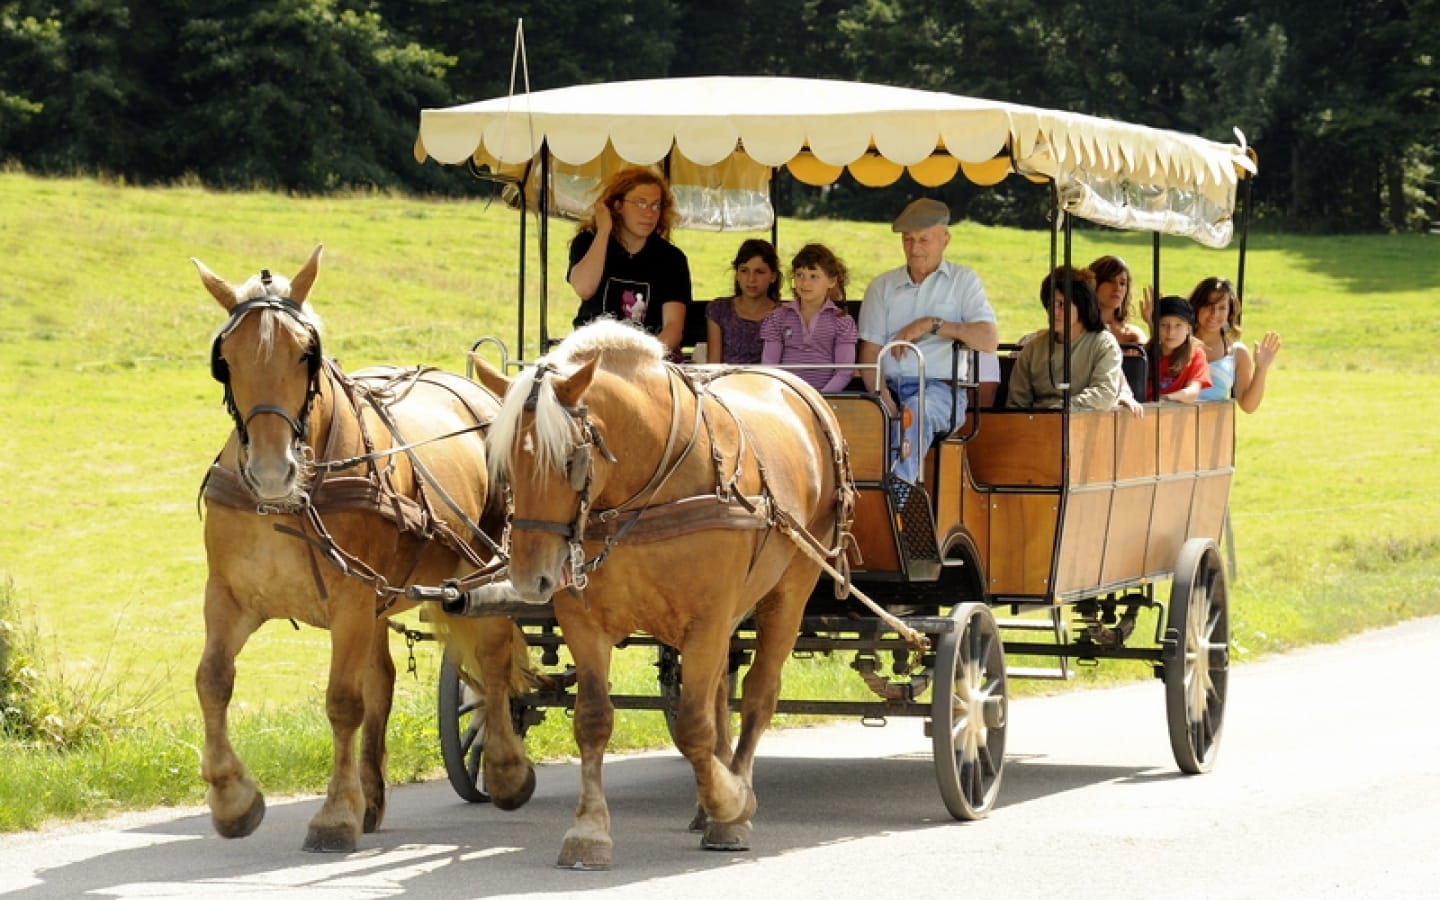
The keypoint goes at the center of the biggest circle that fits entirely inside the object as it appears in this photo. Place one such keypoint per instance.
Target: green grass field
(108, 418)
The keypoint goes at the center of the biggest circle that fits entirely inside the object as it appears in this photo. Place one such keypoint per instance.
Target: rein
(373, 491)
(724, 507)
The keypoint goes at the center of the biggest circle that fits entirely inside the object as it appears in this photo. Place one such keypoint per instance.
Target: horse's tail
(523, 675)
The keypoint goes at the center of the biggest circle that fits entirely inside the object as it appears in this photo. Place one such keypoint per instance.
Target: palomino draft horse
(332, 493)
(646, 499)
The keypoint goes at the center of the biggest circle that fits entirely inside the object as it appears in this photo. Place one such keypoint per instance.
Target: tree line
(1340, 98)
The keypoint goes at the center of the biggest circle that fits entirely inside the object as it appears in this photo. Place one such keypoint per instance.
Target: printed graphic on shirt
(628, 298)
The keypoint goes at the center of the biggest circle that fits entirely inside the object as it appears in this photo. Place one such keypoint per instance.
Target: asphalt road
(1327, 785)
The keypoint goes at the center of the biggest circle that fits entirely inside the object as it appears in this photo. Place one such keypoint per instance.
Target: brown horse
(332, 493)
(644, 500)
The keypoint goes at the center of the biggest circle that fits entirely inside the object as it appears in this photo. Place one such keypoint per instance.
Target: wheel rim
(1197, 677)
(461, 714)
(969, 713)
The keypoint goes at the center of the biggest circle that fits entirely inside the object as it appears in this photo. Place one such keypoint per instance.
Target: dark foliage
(1341, 99)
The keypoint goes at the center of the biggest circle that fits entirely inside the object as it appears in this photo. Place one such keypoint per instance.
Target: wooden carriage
(1037, 535)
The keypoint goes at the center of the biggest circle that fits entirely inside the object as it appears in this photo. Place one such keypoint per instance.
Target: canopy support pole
(544, 250)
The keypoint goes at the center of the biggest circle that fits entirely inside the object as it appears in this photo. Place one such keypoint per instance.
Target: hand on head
(604, 221)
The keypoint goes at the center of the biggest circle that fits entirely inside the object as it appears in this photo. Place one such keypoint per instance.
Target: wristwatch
(935, 324)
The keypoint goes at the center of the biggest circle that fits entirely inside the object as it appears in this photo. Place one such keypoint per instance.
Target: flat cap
(922, 213)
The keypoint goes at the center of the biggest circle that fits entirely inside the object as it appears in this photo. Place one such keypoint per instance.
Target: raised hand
(1266, 349)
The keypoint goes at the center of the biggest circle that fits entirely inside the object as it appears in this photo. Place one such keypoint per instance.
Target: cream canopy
(732, 131)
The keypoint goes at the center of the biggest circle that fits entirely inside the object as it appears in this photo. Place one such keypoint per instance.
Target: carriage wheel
(668, 664)
(1197, 656)
(968, 712)
(460, 710)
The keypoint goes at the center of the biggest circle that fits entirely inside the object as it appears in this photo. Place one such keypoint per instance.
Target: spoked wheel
(1197, 656)
(668, 664)
(968, 712)
(460, 710)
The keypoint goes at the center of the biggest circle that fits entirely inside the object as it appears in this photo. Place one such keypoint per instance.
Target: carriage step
(1039, 673)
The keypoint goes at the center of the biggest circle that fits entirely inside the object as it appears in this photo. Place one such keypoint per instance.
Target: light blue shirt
(1222, 378)
(892, 301)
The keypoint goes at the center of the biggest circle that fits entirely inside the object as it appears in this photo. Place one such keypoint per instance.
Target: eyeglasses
(646, 205)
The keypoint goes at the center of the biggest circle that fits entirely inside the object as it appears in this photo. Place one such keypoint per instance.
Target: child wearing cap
(1184, 371)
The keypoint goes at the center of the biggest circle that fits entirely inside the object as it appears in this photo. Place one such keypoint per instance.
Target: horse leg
(336, 827)
(493, 650)
(236, 804)
(587, 845)
(777, 624)
(723, 797)
(724, 752)
(379, 694)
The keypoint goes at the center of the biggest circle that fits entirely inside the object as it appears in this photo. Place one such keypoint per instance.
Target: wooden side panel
(1169, 522)
(1216, 435)
(874, 532)
(1022, 539)
(1082, 539)
(1207, 511)
(1137, 453)
(949, 487)
(862, 421)
(1092, 448)
(1130, 508)
(1017, 448)
(1178, 426)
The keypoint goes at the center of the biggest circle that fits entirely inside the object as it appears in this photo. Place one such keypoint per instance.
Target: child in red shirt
(1184, 371)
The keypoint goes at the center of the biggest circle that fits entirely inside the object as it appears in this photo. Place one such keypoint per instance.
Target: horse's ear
(304, 279)
(570, 389)
(489, 376)
(218, 287)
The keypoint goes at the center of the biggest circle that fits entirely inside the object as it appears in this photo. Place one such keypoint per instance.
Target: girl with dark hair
(1095, 376)
(622, 264)
(733, 329)
(1112, 290)
(1234, 370)
(814, 328)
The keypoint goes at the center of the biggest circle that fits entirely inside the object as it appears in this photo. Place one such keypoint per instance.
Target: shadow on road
(428, 833)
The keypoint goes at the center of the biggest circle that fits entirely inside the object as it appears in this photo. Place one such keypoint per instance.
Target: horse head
(267, 355)
(551, 446)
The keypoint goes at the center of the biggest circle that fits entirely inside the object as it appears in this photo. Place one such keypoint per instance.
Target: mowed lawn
(108, 416)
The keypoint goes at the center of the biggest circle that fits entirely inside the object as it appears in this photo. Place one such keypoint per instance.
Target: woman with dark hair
(1112, 290)
(1234, 370)
(1095, 377)
(623, 265)
(733, 330)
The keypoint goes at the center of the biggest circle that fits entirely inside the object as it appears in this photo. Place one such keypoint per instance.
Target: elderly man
(932, 303)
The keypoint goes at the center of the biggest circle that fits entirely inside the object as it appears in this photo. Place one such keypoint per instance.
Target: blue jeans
(942, 399)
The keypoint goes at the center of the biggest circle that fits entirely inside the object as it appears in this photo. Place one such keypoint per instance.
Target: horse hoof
(520, 797)
(373, 818)
(244, 825)
(698, 823)
(726, 836)
(583, 854)
(329, 839)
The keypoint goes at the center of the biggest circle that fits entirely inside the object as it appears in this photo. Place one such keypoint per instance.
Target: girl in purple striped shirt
(814, 328)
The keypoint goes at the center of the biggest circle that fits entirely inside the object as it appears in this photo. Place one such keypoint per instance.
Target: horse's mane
(254, 289)
(622, 349)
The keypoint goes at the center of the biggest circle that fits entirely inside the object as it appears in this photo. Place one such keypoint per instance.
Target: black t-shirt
(634, 288)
